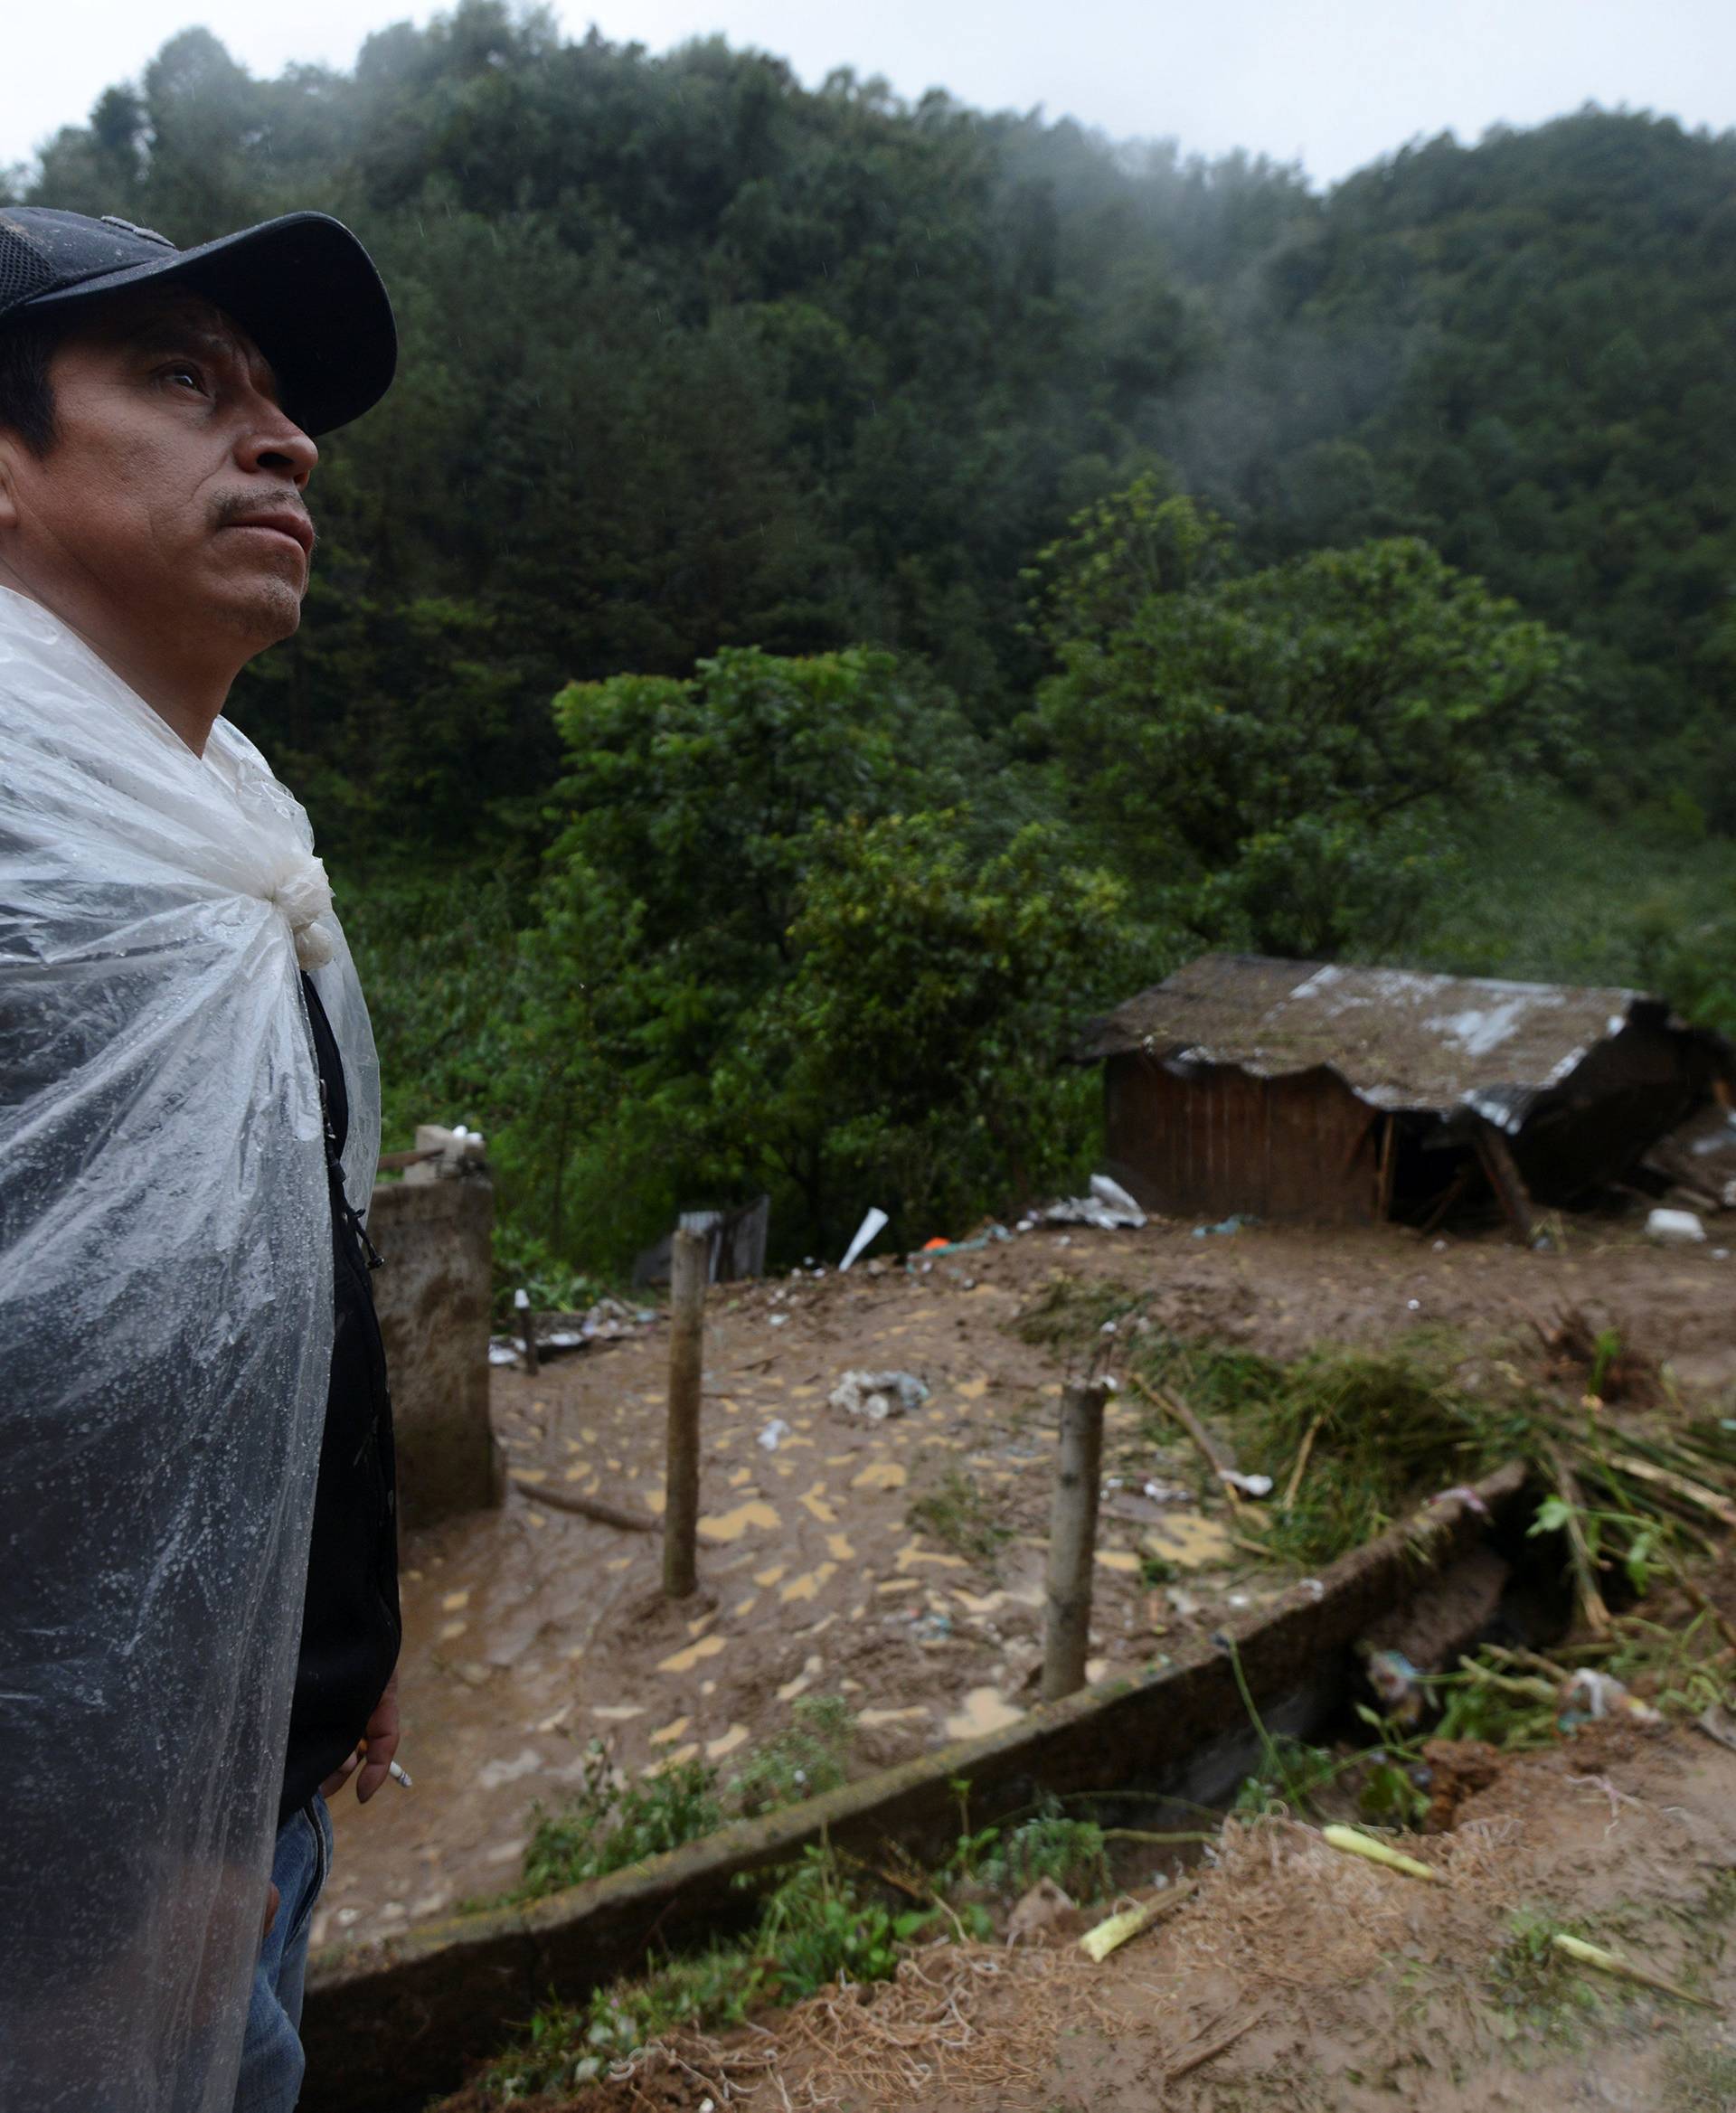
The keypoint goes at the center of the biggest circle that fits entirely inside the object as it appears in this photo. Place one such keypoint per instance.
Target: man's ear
(12, 449)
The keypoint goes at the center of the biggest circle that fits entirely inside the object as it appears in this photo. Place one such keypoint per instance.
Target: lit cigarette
(399, 1776)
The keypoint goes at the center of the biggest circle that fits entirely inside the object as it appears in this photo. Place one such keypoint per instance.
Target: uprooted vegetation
(1353, 1440)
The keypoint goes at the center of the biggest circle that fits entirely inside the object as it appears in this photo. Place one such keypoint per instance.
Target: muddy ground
(530, 1632)
(1292, 1974)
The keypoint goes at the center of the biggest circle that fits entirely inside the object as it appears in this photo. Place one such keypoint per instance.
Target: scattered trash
(1397, 1687)
(1109, 1207)
(1674, 1228)
(779, 1320)
(1168, 1493)
(876, 1396)
(1413, 1304)
(501, 1350)
(1038, 1911)
(774, 1434)
(1224, 1226)
(1589, 1695)
(1312, 1588)
(870, 1229)
(1246, 1484)
(1441, 1247)
(931, 1627)
(1353, 1844)
(935, 1249)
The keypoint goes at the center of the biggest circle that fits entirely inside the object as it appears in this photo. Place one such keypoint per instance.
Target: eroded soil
(530, 1632)
(1293, 1975)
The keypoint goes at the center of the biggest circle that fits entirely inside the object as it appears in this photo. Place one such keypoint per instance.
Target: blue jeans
(272, 2058)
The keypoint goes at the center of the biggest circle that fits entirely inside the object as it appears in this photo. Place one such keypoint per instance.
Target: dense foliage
(974, 564)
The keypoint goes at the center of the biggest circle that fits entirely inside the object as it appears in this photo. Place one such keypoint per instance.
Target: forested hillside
(975, 563)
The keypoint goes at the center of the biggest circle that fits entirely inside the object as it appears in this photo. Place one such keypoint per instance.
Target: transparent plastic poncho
(166, 1334)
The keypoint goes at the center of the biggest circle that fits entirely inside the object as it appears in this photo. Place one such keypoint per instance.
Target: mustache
(249, 506)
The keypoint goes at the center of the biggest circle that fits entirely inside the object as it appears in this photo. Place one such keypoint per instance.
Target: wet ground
(530, 1632)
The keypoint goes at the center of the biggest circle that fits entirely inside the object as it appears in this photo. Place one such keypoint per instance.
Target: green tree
(1275, 749)
(913, 1056)
(690, 817)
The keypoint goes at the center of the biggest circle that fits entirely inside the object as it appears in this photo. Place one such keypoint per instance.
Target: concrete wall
(433, 1297)
(388, 2025)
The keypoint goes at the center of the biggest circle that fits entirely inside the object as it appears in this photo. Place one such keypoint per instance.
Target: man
(193, 1388)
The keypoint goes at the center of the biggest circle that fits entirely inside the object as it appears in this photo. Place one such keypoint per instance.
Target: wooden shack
(1305, 1089)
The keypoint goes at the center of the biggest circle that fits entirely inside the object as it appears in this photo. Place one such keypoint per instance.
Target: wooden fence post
(1072, 1541)
(526, 1328)
(689, 1257)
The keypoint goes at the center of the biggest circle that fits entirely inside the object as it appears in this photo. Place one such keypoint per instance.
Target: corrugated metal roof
(1398, 1038)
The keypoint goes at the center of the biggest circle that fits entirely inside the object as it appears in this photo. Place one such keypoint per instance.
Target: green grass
(814, 1925)
(1700, 2079)
(955, 1513)
(1551, 891)
(1537, 1992)
(608, 1825)
(1070, 1852)
(806, 1761)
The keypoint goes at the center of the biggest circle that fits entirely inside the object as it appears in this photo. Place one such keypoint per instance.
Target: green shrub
(606, 1826)
(806, 1761)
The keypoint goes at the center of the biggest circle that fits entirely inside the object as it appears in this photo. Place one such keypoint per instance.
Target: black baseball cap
(302, 287)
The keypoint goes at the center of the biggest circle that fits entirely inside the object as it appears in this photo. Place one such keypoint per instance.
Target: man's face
(168, 509)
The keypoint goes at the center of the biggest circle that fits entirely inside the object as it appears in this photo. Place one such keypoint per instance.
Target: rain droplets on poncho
(165, 1326)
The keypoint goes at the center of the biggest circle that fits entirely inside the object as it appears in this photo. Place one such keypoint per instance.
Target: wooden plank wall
(1218, 1141)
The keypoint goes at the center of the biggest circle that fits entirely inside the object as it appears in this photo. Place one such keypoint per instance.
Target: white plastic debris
(875, 1395)
(1246, 1484)
(1118, 1199)
(1674, 1228)
(1107, 1207)
(774, 1434)
(1602, 1694)
(870, 1229)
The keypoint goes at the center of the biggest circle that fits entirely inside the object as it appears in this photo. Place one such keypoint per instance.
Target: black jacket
(350, 1625)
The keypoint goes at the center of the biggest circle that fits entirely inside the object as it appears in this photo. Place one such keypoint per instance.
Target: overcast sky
(1330, 83)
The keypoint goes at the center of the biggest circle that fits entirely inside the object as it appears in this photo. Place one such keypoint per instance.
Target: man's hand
(374, 1756)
